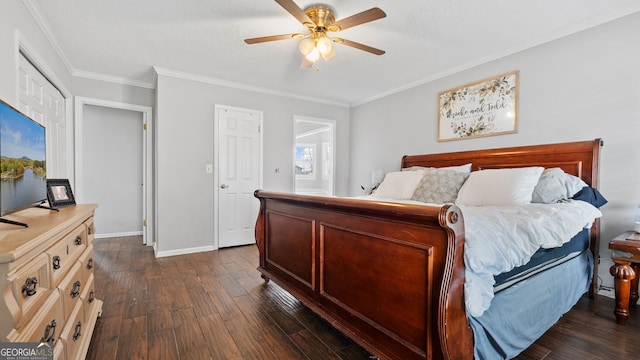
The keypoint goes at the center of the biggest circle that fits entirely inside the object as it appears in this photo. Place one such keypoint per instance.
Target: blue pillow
(590, 195)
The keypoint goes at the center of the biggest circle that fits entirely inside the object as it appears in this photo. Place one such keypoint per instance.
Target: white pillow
(512, 186)
(555, 185)
(466, 168)
(399, 185)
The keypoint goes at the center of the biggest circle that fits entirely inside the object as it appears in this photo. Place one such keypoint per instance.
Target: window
(305, 161)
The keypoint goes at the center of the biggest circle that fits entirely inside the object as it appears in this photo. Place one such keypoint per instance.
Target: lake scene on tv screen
(22, 160)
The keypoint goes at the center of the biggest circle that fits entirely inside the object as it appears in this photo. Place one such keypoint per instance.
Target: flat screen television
(23, 167)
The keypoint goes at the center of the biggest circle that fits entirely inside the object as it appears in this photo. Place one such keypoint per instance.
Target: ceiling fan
(319, 21)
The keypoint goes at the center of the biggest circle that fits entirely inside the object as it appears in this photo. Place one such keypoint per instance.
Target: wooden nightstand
(626, 259)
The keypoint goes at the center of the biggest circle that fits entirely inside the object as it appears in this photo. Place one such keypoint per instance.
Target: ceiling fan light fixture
(324, 45)
(312, 49)
(314, 55)
(306, 46)
(329, 54)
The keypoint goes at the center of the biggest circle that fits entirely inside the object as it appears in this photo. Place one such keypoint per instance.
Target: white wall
(581, 87)
(184, 141)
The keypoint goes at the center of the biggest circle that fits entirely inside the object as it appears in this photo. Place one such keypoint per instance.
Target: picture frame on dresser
(59, 193)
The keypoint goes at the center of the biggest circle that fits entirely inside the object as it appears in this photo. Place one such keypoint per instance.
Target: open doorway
(314, 156)
(113, 166)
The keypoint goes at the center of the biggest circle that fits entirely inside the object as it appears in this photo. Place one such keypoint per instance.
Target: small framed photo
(59, 193)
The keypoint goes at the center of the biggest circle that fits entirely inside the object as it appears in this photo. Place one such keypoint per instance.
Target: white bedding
(500, 238)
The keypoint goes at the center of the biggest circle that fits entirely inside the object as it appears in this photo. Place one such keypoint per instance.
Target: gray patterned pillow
(439, 186)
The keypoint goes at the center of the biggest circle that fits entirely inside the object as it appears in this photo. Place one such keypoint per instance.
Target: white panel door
(239, 174)
(44, 103)
(56, 133)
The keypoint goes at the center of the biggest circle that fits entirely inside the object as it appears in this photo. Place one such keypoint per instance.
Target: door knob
(224, 186)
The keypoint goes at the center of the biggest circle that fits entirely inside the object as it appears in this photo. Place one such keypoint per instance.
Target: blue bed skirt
(542, 259)
(521, 313)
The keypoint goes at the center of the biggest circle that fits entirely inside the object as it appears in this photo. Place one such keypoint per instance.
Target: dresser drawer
(87, 263)
(45, 326)
(70, 289)
(75, 334)
(59, 352)
(88, 298)
(30, 287)
(64, 253)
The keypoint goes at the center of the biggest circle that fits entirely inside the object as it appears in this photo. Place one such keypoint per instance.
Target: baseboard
(166, 253)
(123, 234)
(608, 292)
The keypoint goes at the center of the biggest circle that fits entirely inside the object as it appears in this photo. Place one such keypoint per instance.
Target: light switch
(209, 169)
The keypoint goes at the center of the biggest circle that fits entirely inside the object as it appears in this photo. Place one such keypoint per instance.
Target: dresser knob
(29, 286)
(49, 333)
(78, 240)
(56, 262)
(75, 290)
(90, 264)
(91, 297)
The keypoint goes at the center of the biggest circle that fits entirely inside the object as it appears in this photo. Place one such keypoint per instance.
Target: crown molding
(43, 24)
(113, 79)
(241, 86)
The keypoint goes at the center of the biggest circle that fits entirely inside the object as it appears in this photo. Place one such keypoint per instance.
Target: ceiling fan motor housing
(322, 18)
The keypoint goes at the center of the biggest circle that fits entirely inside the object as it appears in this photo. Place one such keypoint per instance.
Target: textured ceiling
(123, 40)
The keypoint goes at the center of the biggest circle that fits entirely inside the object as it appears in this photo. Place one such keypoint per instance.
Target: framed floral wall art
(483, 108)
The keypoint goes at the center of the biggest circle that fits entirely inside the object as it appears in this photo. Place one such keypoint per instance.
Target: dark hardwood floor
(214, 305)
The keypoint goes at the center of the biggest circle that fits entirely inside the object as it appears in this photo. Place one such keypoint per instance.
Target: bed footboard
(390, 276)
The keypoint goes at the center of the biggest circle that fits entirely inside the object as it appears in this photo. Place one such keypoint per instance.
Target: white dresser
(47, 279)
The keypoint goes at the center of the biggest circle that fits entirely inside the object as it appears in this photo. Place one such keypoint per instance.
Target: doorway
(113, 156)
(314, 156)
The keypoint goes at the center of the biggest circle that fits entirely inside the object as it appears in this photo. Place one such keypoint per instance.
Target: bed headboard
(576, 158)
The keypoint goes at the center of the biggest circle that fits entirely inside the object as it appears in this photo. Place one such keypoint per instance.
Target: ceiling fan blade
(306, 63)
(357, 45)
(360, 18)
(295, 10)
(269, 38)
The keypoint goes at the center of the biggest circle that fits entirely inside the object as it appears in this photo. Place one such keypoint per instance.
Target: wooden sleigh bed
(390, 275)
